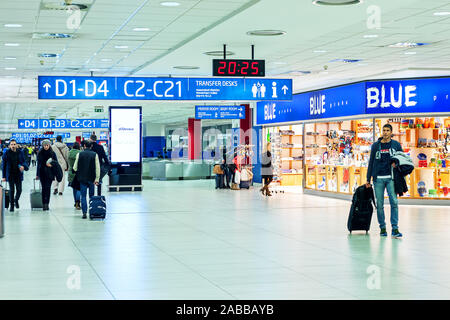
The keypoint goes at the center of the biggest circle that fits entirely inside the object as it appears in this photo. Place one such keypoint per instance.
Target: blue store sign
(410, 96)
(328, 103)
(219, 112)
(138, 88)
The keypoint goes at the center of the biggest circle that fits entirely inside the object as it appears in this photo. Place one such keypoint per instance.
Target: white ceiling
(180, 35)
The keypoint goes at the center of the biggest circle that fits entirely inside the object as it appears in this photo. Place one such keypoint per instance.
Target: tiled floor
(185, 240)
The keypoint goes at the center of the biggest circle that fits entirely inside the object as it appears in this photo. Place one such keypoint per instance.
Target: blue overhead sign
(62, 123)
(27, 137)
(408, 96)
(219, 112)
(321, 104)
(138, 88)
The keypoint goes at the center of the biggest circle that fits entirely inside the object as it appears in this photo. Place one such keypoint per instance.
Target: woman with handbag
(73, 181)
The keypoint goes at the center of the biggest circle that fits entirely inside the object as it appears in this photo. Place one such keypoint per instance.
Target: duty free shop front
(321, 139)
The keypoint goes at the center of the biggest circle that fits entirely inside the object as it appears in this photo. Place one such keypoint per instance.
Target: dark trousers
(15, 188)
(228, 176)
(267, 180)
(219, 181)
(84, 188)
(46, 190)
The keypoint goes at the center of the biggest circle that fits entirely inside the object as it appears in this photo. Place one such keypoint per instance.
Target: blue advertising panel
(219, 112)
(321, 104)
(139, 88)
(408, 96)
(63, 123)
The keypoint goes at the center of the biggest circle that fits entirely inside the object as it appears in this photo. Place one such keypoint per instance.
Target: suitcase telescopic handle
(34, 185)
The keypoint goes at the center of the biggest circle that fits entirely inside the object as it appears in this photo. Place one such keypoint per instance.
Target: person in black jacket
(87, 168)
(104, 161)
(13, 165)
(44, 171)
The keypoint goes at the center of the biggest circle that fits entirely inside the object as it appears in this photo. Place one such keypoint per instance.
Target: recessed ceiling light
(410, 52)
(141, 29)
(12, 44)
(346, 60)
(336, 2)
(10, 68)
(408, 44)
(10, 58)
(320, 51)
(266, 33)
(13, 25)
(186, 67)
(106, 60)
(370, 36)
(47, 55)
(169, 3)
(218, 53)
(121, 47)
(445, 13)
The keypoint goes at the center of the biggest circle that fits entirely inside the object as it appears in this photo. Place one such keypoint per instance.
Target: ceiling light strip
(196, 35)
(73, 38)
(135, 12)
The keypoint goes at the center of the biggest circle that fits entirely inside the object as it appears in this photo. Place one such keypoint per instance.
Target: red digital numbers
(222, 67)
(244, 69)
(232, 67)
(255, 68)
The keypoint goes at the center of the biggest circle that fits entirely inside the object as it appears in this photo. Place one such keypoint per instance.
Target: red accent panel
(195, 139)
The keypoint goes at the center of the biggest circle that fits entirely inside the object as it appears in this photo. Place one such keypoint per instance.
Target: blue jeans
(380, 185)
(83, 190)
(76, 195)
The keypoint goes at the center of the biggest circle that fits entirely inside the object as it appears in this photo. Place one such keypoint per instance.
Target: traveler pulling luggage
(36, 197)
(361, 210)
(97, 207)
(6, 196)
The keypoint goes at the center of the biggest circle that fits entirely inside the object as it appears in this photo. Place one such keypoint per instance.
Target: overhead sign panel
(63, 123)
(27, 137)
(137, 88)
(321, 104)
(219, 112)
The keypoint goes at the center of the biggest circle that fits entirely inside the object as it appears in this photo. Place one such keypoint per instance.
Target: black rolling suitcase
(36, 197)
(6, 196)
(97, 207)
(361, 210)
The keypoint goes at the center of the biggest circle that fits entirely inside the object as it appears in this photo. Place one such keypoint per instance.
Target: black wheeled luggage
(36, 197)
(6, 196)
(97, 207)
(361, 210)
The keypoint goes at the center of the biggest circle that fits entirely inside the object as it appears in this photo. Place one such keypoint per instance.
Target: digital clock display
(239, 68)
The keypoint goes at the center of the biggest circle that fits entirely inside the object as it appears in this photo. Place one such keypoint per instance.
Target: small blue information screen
(63, 123)
(138, 88)
(219, 112)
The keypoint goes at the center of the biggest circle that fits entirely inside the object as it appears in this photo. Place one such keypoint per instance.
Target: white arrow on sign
(47, 86)
(285, 89)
